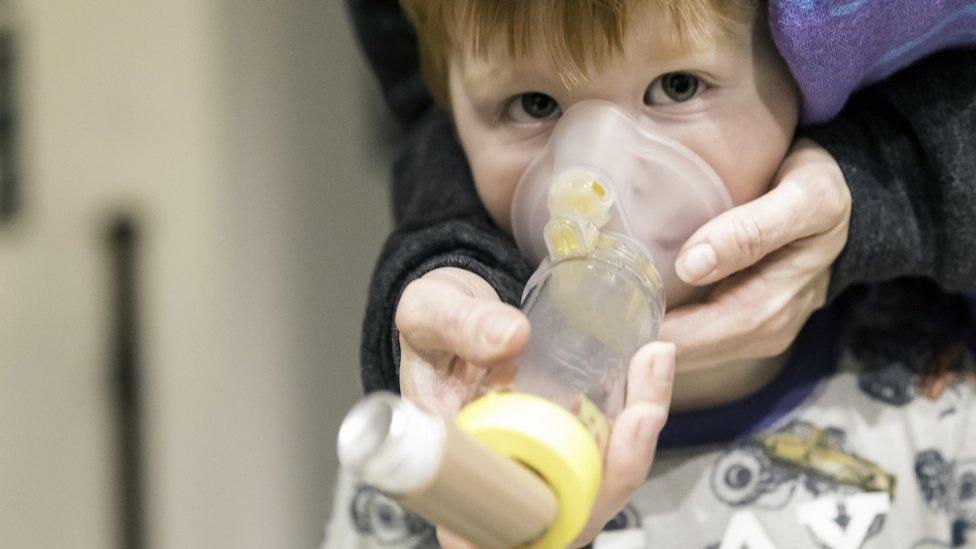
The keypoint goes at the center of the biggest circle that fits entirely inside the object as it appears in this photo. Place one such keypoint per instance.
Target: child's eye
(533, 107)
(674, 87)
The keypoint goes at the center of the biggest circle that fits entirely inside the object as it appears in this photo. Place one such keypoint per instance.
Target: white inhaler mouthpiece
(601, 171)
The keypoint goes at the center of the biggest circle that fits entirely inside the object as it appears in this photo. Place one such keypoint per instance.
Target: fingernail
(662, 368)
(696, 262)
(500, 330)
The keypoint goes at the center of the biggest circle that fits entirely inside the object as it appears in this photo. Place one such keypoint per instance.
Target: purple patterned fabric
(834, 47)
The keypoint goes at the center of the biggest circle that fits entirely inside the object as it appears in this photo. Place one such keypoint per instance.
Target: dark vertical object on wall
(124, 245)
(9, 191)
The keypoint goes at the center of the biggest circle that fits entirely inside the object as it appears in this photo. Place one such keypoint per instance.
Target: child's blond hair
(575, 35)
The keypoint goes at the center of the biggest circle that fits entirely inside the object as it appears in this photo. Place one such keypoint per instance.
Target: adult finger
(635, 432)
(436, 314)
(743, 235)
(809, 198)
(443, 386)
(752, 314)
(650, 374)
(634, 435)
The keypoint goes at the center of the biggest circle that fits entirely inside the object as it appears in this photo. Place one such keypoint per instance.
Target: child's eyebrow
(481, 76)
(476, 75)
(660, 54)
(716, 62)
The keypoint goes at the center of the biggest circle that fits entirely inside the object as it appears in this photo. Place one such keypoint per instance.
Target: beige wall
(236, 135)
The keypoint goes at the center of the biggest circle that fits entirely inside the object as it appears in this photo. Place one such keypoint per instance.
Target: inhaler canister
(430, 466)
(522, 464)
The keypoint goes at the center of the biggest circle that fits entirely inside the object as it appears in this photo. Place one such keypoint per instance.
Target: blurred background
(192, 195)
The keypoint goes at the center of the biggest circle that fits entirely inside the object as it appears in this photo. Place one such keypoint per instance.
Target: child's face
(730, 99)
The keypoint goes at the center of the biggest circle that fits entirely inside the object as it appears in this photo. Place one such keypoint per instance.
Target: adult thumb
(742, 236)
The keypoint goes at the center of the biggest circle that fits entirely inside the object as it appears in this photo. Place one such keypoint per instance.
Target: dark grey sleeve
(390, 45)
(440, 222)
(907, 147)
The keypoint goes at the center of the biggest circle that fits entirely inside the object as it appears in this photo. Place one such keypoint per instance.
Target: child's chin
(692, 296)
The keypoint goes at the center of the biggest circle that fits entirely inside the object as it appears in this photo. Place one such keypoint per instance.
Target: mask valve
(579, 206)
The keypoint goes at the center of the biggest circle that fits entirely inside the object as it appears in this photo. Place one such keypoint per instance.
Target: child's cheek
(498, 158)
(745, 149)
(496, 173)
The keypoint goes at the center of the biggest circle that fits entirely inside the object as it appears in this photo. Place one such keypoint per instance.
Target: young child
(808, 468)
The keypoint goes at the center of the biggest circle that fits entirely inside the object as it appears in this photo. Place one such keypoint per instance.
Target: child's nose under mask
(602, 171)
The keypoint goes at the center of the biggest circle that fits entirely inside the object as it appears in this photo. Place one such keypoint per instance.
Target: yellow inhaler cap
(548, 439)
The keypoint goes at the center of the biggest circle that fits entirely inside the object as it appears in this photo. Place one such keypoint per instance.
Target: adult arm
(439, 223)
(907, 148)
(390, 45)
(438, 219)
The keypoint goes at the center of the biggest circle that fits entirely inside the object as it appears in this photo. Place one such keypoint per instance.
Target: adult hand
(633, 439)
(452, 326)
(771, 258)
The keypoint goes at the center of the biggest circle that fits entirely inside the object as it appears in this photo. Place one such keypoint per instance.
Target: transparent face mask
(602, 171)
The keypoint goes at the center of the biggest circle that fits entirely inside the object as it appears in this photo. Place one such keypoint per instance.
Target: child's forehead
(651, 40)
(651, 35)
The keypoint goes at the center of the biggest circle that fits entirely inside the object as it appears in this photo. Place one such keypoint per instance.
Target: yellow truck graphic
(799, 451)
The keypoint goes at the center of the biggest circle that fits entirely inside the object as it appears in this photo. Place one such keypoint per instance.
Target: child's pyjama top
(855, 458)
